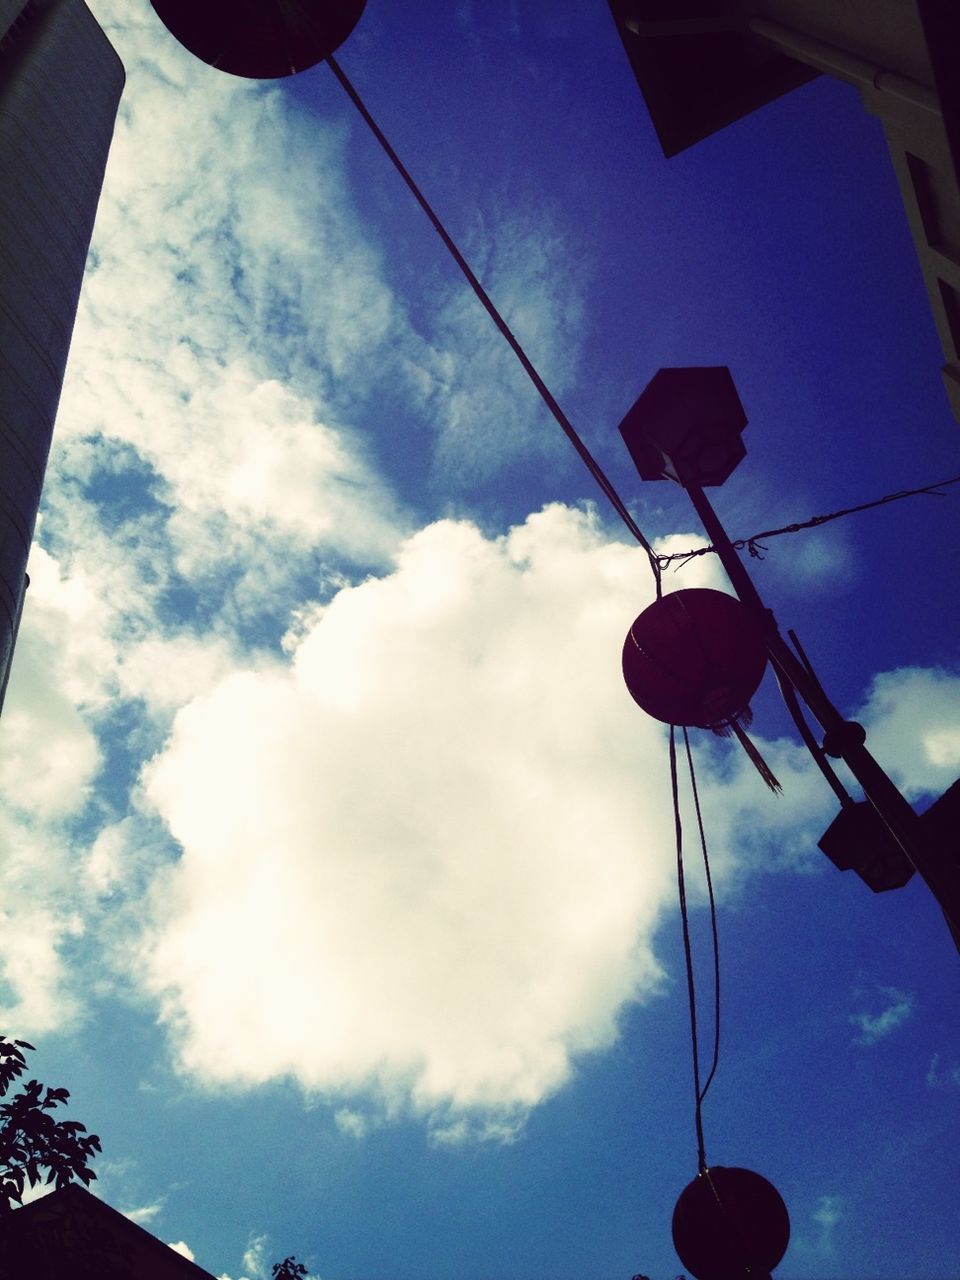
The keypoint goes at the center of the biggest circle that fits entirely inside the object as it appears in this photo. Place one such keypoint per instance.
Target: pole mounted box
(858, 840)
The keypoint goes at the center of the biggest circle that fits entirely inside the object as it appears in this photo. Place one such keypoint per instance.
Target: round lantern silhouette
(260, 39)
(730, 1224)
(695, 657)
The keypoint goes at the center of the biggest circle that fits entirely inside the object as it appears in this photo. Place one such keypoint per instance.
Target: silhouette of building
(702, 64)
(71, 1233)
(60, 85)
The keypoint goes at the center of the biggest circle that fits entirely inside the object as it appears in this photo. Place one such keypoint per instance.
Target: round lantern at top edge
(730, 1224)
(695, 657)
(260, 39)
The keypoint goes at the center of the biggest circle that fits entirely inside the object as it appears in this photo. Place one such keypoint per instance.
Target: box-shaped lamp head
(686, 426)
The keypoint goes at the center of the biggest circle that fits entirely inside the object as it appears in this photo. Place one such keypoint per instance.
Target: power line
(544, 391)
(755, 545)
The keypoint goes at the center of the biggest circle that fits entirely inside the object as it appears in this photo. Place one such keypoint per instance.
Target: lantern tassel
(761, 766)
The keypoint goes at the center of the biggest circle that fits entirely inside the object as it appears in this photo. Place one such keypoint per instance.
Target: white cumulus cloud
(913, 715)
(428, 855)
(257, 302)
(424, 859)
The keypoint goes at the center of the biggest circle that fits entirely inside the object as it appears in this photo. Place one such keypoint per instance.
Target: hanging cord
(713, 918)
(688, 957)
(755, 545)
(564, 422)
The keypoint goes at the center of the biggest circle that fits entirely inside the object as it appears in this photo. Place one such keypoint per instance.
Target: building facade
(702, 66)
(60, 86)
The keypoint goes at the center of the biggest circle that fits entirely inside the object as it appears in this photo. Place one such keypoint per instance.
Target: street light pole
(686, 427)
(843, 739)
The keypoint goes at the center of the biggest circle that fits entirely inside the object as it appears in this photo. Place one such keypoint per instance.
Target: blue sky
(339, 884)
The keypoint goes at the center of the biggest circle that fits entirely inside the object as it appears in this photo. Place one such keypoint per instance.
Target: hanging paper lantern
(730, 1224)
(696, 658)
(260, 39)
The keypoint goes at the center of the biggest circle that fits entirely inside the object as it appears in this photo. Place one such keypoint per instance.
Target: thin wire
(755, 544)
(713, 919)
(563, 421)
(688, 957)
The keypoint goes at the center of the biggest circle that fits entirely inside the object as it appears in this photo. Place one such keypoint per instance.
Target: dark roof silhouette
(73, 1233)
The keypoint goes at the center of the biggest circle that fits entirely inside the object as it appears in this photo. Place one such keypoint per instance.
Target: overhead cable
(561, 418)
(755, 545)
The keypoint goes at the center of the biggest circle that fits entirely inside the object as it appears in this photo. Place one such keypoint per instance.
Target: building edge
(61, 82)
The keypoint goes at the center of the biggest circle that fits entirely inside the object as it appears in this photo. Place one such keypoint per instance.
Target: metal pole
(843, 738)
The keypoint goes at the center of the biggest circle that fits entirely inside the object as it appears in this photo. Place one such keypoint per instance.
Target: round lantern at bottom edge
(730, 1224)
(260, 39)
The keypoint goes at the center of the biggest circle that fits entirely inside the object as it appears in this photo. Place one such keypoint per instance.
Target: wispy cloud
(255, 1262)
(144, 1213)
(914, 718)
(486, 413)
(219, 374)
(827, 1216)
(198, 478)
(355, 1123)
(877, 1026)
(941, 1077)
(255, 1258)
